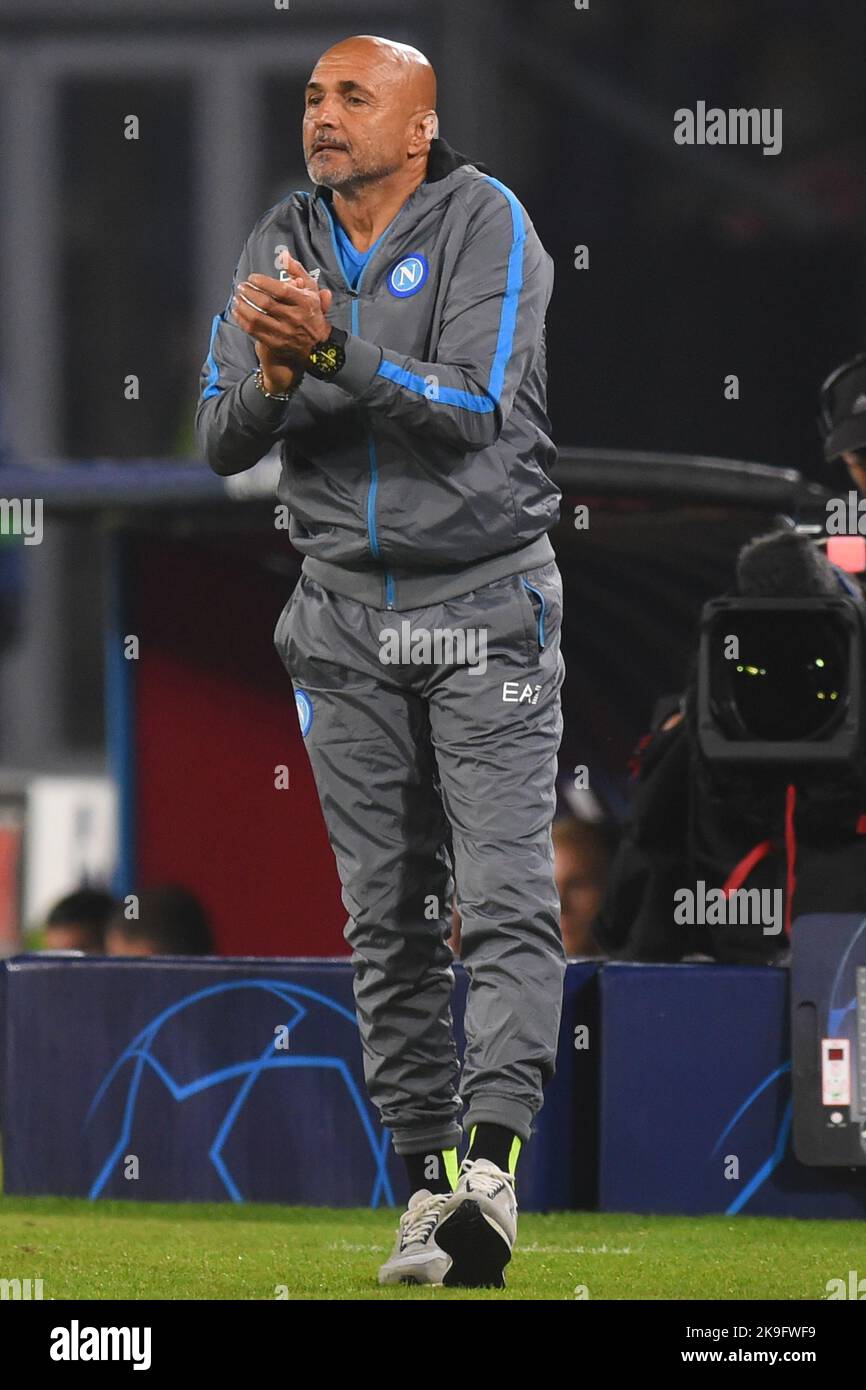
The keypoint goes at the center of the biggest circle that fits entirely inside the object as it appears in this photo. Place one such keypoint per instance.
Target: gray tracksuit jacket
(422, 471)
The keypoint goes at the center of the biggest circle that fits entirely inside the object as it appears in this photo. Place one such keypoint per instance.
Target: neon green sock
(493, 1143)
(449, 1157)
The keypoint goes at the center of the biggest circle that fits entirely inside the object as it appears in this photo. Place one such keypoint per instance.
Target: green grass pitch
(127, 1250)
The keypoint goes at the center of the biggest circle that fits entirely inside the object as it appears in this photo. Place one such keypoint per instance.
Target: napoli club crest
(408, 275)
(305, 711)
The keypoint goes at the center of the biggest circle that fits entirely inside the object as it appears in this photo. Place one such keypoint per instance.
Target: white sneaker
(417, 1258)
(478, 1227)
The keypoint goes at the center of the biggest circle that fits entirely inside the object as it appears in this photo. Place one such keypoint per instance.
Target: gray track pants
(431, 770)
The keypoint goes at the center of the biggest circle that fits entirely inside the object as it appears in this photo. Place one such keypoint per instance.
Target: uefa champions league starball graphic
(271, 1096)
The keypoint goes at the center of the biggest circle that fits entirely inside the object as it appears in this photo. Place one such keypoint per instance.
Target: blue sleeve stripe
(449, 395)
(513, 286)
(212, 386)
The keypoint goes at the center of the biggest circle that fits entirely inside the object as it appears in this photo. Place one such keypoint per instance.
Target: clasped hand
(286, 318)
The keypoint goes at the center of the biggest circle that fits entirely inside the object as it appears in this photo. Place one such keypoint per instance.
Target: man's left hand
(285, 316)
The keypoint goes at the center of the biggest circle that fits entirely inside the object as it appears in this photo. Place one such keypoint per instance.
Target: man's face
(357, 120)
(856, 464)
(580, 891)
(116, 944)
(70, 936)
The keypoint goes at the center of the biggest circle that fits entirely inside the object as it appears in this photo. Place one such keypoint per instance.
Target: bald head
(370, 113)
(399, 65)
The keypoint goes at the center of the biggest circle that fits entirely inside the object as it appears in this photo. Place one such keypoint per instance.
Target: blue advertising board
(696, 1103)
(242, 1080)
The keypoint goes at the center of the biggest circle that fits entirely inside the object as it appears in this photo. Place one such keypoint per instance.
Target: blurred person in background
(843, 418)
(581, 860)
(78, 922)
(170, 922)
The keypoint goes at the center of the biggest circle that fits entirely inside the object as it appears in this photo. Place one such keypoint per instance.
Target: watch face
(328, 358)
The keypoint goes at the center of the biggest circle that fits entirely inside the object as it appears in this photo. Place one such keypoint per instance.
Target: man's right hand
(278, 373)
(282, 367)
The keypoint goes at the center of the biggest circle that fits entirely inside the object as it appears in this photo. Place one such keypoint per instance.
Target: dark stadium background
(115, 255)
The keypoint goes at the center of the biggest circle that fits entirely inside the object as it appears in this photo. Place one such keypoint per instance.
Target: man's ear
(429, 124)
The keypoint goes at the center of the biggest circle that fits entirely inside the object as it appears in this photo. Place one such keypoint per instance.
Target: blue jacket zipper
(374, 470)
(390, 587)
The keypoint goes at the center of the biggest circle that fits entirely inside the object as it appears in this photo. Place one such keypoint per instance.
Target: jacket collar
(443, 160)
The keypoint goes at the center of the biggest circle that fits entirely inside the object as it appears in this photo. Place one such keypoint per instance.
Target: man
(581, 862)
(399, 360)
(78, 922)
(169, 921)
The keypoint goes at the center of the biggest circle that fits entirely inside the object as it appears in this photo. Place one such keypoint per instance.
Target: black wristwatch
(327, 357)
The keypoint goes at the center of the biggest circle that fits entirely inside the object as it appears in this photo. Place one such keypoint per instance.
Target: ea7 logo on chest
(408, 275)
(281, 250)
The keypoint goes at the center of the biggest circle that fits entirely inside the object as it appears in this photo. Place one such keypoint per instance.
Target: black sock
(430, 1170)
(500, 1145)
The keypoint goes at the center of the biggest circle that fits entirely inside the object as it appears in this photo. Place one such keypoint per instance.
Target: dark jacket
(425, 472)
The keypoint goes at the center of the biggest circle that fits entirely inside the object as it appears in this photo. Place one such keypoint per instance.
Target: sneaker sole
(478, 1254)
(408, 1279)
